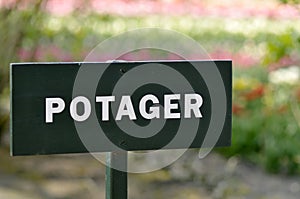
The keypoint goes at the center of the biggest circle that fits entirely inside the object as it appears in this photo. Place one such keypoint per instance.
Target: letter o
(87, 108)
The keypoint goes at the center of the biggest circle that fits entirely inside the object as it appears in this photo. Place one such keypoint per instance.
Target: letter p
(51, 109)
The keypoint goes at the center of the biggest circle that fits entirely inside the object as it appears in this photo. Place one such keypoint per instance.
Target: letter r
(195, 107)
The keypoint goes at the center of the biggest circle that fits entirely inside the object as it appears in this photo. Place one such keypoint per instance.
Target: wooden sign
(100, 107)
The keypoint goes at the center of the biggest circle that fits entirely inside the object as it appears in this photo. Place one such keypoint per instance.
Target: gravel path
(81, 177)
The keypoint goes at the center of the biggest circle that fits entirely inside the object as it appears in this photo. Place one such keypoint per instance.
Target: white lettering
(191, 107)
(168, 106)
(126, 108)
(105, 105)
(195, 107)
(50, 109)
(153, 111)
(73, 108)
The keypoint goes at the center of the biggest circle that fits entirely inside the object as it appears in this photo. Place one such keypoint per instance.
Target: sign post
(116, 181)
(60, 108)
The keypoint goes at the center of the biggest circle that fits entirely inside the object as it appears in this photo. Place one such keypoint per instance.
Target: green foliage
(290, 1)
(284, 45)
(13, 29)
(266, 127)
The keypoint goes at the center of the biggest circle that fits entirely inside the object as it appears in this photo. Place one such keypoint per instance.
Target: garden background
(261, 37)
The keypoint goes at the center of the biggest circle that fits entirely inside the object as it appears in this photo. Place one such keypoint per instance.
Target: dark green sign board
(101, 107)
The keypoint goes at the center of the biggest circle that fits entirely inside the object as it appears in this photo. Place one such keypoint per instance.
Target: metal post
(116, 181)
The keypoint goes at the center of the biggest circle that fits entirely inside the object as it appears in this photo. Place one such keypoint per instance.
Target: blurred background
(261, 37)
